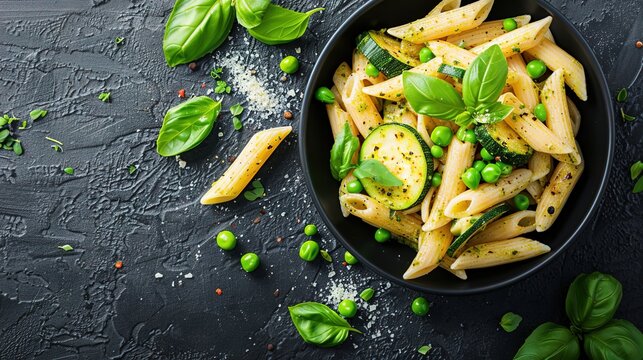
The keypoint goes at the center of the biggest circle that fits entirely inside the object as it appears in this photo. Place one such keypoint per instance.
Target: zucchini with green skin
(461, 225)
(402, 150)
(452, 71)
(500, 140)
(385, 53)
(491, 215)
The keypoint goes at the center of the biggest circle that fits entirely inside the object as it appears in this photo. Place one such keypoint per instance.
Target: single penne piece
(343, 190)
(487, 31)
(525, 89)
(359, 68)
(517, 64)
(535, 189)
(574, 115)
(423, 123)
(410, 49)
(519, 40)
(443, 24)
(393, 88)
(540, 165)
(556, 58)
(549, 36)
(426, 205)
(556, 193)
(432, 246)
(499, 253)
(458, 159)
(338, 97)
(558, 117)
(337, 118)
(472, 202)
(340, 76)
(444, 5)
(235, 179)
(360, 107)
(446, 263)
(373, 212)
(508, 227)
(532, 130)
(412, 210)
(398, 112)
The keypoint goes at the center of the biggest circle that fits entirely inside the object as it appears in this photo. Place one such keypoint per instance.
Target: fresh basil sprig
(550, 341)
(281, 25)
(250, 12)
(320, 325)
(618, 339)
(341, 161)
(481, 86)
(187, 125)
(592, 300)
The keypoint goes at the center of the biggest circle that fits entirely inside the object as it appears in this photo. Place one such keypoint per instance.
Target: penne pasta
(426, 205)
(535, 189)
(337, 118)
(410, 49)
(340, 76)
(525, 89)
(540, 165)
(487, 31)
(517, 64)
(444, 5)
(446, 263)
(235, 179)
(519, 40)
(443, 24)
(558, 118)
(499, 253)
(360, 107)
(574, 115)
(343, 190)
(432, 246)
(472, 202)
(508, 227)
(398, 112)
(359, 69)
(338, 97)
(423, 123)
(556, 193)
(393, 88)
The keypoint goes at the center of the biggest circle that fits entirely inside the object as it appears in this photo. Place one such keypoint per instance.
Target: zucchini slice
(452, 71)
(401, 149)
(491, 215)
(384, 52)
(461, 225)
(500, 140)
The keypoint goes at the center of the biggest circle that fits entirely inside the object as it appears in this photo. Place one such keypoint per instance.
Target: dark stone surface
(59, 54)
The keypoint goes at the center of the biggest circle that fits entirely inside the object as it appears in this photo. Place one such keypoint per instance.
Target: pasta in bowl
(459, 134)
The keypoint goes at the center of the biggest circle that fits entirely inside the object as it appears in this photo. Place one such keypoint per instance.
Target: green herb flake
(367, 294)
(636, 169)
(638, 187)
(105, 96)
(119, 40)
(23, 125)
(37, 114)
(424, 349)
(54, 140)
(621, 96)
(57, 148)
(69, 170)
(222, 87)
(4, 134)
(216, 73)
(627, 117)
(236, 122)
(132, 169)
(257, 192)
(326, 256)
(17, 148)
(66, 247)
(236, 109)
(510, 321)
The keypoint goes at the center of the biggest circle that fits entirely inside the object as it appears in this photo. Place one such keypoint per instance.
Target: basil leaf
(37, 114)
(281, 25)
(250, 12)
(510, 321)
(341, 154)
(621, 96)
(195, 28)
(432, 96)
(635, 170)
(376, 171)
(424, 349)
(319, 325)
(619, 339)
(186, 125)
(485, 78)
(549, 341)
(493, 113)
(638, 187)
(592, 300)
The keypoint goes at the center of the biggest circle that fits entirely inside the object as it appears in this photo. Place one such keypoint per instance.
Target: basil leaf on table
(376, 171)
(549, 341)
(187, 125)
(493, 113)
(618, 339)
(341, 154)
(320, 325)
(281, 25)
(250, 12)
(432, 96)
(510, 321)
(195, 28)
(485, 78)
(592, 300)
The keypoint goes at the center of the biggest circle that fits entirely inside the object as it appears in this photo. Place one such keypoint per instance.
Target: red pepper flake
(182, 93)
(231, 159)
(262, 211)
(279, 239)
(344, 263)
(203, 85)
(219, 291)
(639, 44)
(256, 221)
(118, 264)
(270, 347)
(497, 158)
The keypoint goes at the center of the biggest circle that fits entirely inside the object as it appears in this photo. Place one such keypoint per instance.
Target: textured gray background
(59, 54)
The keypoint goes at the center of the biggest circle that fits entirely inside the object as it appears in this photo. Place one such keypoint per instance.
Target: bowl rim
(603, 96)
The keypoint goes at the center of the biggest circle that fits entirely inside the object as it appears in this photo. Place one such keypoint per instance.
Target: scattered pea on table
(420, 306)
(289, 64)
(310, 230)
(350, 259)
(226, 240)
(309, 250)
(250, 262)
(347, 308)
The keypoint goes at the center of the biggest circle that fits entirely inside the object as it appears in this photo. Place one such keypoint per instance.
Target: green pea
(536, 68)
(436, 180)
(505, 169)
(354, 187)
(250, 262)
(347, 308)
(289, 64)
(324, 95)
(371, 70)
(441, 136)
(509, 24)
(350, 259)
(436, 151)
(226, 240)
(541, 112)
(461, 133)
(382, 235)
(309, 250)
(479, 165)
(486, 155)
(471, 178)
(470, 136)
(521, 201)
(310, 230)
(426, 54)
(420, 306)
(491, 173)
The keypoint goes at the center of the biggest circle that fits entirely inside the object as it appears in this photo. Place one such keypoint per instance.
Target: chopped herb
(621, 96)
(66, 247)
(257, 192)
(119, 40)
(367, 294)
(236, 109)
(516, 50)
(105, 96)
(216, 73)
(424, 349)
(37, 114)
(237, 123)
(4, 134)
(17, 148)
(510, 321)
(638, 187)
(23, 125)
(132, 169)
(57, 148)
(69, 170)
(54, 140)
(222, 87)
(326, 256)
(627, 117)
(635, 171)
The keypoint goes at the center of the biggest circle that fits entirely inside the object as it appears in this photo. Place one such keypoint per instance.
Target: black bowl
(596, 138)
